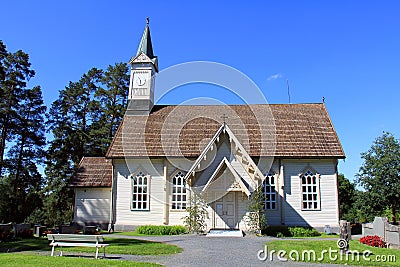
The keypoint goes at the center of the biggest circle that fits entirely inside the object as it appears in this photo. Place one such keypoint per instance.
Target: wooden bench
(70, 240)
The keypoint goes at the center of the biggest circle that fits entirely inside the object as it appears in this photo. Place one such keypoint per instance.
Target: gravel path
(211, 251)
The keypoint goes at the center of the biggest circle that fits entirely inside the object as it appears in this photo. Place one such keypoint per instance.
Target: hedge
(160, 230)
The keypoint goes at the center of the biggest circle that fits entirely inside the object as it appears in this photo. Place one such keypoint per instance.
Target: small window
(140, 192)
(310, 191)
(269, 192)
(179, 191)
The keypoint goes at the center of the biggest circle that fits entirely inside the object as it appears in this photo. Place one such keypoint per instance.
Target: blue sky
(345, 51)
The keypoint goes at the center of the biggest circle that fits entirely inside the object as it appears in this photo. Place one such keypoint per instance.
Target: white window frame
(145, 177)
(310, 190)
(270, 196)
(179, 198)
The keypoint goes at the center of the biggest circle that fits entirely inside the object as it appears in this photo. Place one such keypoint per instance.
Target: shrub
(285, 231)
(195, 220)
(277, 231)
(303, 232)
(373, 241)
(160, 230)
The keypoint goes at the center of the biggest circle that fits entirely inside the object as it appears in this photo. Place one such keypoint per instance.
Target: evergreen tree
(70, 119)
(111, 100)
(14, 73)
(83, 121)
(23, 182)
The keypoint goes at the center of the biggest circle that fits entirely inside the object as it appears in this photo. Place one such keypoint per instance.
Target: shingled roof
(301, 131)
(92, 172)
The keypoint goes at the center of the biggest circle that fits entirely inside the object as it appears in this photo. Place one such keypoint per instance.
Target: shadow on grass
(90, 256)
(24, 245)
(116, 246)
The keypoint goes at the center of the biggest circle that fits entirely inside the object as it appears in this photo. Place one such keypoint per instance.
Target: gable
(235, 184)
(229, 149)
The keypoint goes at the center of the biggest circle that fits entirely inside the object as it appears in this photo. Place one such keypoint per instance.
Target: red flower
(373, 241)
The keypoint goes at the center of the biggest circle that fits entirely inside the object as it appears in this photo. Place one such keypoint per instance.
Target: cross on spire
(224, 117)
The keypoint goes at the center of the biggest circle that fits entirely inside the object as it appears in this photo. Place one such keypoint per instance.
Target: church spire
(143, 69)
(145, 45)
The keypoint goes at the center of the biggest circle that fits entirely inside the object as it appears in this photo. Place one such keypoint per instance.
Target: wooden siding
(293, 213)
(92, 205)
(290, 210)
(123, 213)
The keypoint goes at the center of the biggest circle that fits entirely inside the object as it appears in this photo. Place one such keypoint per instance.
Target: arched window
(269, 192)
(140, 192)
(178, 191)
(310, 190)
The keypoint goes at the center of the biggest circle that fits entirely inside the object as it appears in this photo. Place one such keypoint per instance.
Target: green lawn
(117, 246)
(24, 259)
(379, 257)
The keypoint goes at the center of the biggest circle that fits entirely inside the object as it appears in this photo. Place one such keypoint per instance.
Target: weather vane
(147, 20)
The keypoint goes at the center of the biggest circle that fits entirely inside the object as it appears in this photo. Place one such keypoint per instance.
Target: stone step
(225, 233)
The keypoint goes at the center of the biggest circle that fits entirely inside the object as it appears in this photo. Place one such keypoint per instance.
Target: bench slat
(70, 237)
(69, 244)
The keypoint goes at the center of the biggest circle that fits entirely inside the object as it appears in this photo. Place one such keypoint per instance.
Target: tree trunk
(2, 145)
(393, 208)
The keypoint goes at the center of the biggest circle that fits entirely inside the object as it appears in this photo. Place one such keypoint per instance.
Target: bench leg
(52, 251)
(60, 251)
(97, 252)
(104, 252)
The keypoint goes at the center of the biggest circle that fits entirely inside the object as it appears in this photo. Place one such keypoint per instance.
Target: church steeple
(144, 66)
(145, 46)
(145, 43)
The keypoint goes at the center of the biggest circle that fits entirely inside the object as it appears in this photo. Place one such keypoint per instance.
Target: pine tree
(14, 73)
(70, 119)
(23, 177)
(111, 99)
(83, 121)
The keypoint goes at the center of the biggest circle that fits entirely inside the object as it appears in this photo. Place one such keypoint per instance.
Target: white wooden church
(147, 179)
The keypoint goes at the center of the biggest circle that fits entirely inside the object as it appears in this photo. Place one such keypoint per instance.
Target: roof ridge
(206, 105)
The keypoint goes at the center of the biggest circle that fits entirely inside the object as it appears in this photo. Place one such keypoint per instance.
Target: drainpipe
(282, 191)
(111, 221)
(166, 189)
(337, 189)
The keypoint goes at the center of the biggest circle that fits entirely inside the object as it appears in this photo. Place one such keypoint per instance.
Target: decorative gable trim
(311, 169)
(137, 171)
(238, 184)
(202, 156)
(249, 165)
(240, 153)
(143, 58)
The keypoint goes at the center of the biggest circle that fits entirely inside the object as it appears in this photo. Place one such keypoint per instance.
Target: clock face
(140, 80)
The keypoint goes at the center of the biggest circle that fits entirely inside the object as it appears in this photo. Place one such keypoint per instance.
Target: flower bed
(373, 241)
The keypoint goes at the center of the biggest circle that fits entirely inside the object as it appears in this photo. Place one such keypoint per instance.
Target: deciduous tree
(380, 174)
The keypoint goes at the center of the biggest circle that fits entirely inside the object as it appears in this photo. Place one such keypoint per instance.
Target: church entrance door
(225, 214)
